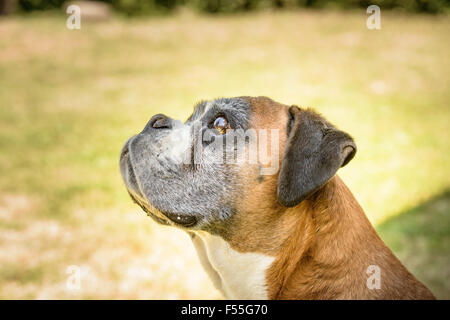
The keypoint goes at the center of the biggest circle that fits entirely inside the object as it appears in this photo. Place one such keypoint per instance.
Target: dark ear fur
(314, 152)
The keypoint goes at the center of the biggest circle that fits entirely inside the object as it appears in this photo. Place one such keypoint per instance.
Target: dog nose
(159, 121)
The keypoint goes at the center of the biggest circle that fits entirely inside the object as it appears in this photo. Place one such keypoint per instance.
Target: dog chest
(237, 275)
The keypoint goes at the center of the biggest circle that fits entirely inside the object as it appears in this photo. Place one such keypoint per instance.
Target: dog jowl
(254, 183)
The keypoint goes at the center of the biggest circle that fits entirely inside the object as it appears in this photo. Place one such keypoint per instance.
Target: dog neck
(327, 235)
(328, 255)
(287, 247)
(320, 249)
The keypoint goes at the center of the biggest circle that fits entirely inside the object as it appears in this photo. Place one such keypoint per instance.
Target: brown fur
(323, 246)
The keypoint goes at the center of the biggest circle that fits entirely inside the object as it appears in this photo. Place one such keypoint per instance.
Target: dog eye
(221, 124)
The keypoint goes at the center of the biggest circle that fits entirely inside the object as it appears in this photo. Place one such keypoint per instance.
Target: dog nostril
(160, 122)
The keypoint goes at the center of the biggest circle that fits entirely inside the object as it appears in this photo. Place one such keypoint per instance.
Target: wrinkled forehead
(243, 112)
(237, 109)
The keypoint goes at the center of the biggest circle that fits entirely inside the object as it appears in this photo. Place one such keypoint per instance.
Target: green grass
(70, 99)
(420, 237)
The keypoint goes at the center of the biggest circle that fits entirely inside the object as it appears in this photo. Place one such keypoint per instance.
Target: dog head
(229, 158)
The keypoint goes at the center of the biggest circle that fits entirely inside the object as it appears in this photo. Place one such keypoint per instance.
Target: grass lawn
(70, 98)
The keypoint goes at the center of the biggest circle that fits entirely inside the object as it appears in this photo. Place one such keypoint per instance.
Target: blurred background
(70, 98)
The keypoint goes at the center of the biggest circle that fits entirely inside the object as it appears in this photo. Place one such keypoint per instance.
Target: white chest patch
(237, 275)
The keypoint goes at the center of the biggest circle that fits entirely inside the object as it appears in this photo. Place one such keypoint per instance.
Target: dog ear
(315, 150)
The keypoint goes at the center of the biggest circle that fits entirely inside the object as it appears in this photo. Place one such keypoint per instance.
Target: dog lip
(126, 169)
(125, 149)
(178, 219)
(128, 173)
(147, 210)
(181, 219)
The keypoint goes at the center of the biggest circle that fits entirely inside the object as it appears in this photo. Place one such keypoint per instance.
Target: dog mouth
(131, 183)
(169, 218)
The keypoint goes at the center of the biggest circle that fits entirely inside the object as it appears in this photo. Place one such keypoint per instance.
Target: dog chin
(165, 218)
(148, 211)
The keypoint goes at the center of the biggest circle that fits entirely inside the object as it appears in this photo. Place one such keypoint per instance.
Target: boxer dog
(254, 184)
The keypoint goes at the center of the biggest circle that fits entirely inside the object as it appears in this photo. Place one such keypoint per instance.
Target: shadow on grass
(420, 238)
